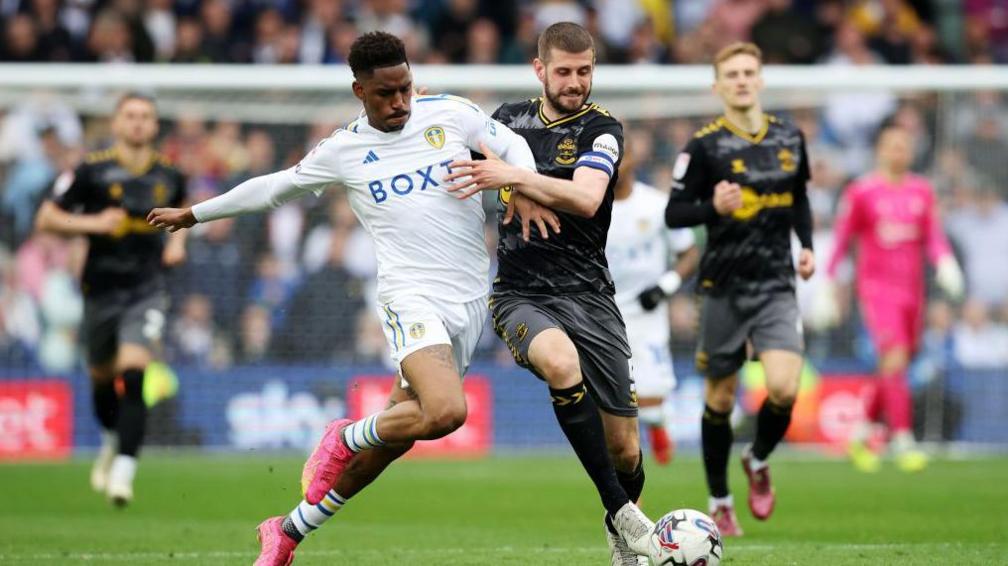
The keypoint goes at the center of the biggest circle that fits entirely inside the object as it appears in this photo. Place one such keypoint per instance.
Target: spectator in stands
(26, 183)
(214, 269)
(483, 43)
(786, 35)
(449, 30)
(981, 232)
(219, 45)
(110, 40)
(21, 41)
(320, 16)
(980, 343)
(160, 25)
(189, 42)
(192, 332)
(55, 41)
(254, 337)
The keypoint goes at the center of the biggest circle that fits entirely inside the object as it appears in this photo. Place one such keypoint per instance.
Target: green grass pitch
(202, 509)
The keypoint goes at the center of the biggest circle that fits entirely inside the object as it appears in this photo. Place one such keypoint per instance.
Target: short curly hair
(374, 50)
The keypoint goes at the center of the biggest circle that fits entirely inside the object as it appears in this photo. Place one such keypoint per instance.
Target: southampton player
(107, 198)
(432, 265)
(892, 216)
(552, 302)
(638, 250)
(744, 177)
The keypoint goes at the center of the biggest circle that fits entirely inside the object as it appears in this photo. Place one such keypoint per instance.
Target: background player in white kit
(639, 249)
(432, 265)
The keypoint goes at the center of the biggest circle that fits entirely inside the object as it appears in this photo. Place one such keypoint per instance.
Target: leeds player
(432, 265)
(553, 298)
(638, 248)
(125, 297)
(744, 176)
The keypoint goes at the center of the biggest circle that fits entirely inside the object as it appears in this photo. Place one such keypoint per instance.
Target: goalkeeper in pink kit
(892, 216)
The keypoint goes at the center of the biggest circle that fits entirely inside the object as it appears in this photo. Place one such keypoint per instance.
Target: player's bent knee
(626, 455)
(561, 368)
(782, 398)
(446, 420)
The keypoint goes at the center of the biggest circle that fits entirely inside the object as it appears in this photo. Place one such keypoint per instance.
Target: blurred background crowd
(297, 284)
(490, 31)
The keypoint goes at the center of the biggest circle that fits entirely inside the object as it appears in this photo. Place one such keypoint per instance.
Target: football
(686, 537)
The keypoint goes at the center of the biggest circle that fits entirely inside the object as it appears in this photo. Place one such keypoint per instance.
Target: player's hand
(469, 177)
(949, 277)
(171, 219)
(651, 297)
(529, 212)
(824, 310)
(727, 197)
(806, 264)
(109, 221)
(173, 254)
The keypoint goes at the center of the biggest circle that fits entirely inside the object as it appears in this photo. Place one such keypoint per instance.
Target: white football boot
(103, 462)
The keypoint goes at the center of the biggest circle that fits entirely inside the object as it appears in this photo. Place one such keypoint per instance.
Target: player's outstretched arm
(582, 195)
(52, 218)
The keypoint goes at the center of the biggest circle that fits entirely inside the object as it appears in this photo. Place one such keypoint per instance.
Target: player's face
(566, 78)
(739, 81)
(387, 96)
(895, 150)
(135, 122)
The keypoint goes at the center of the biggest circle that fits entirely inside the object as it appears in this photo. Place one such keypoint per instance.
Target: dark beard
(555, 101)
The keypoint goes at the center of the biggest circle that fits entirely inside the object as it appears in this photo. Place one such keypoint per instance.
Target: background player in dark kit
(744, 176)
(107, 199)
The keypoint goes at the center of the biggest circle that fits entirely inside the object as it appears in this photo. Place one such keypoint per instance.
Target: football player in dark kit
(107, 199)
(552, 302)
(744, 176)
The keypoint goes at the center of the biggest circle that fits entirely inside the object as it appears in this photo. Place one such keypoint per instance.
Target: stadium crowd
(487, 31)
(297, 284)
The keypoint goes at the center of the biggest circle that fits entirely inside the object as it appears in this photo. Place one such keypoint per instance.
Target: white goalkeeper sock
(362, 434)
(306, 517)
(652, 416)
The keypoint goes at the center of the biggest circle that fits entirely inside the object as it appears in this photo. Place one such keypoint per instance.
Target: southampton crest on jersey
(435, 136)
(566, 152)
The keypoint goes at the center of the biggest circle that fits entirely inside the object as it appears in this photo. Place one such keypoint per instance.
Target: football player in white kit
(432, 265)
(639, 249)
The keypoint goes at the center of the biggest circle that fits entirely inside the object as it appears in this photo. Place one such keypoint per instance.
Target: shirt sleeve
(937, 243)
(318, 170)
(802, 220)
(71, 189)
(845, 228)
(480, 128)
(690, 203)
(181, 189)
(601, 146)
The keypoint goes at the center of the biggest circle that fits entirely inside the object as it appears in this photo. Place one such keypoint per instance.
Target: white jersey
(639, 247)
(428, 242)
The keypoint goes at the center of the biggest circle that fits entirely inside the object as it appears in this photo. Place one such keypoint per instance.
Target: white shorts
(415, 322)
(648, 335)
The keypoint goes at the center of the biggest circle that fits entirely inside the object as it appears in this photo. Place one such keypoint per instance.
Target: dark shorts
(120, 316)
(592, 322)
(769, 321)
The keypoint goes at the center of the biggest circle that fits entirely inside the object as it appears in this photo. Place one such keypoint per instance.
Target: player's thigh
(721, 339)
(100, 333)
(422, 350)
(599, 334)
(535, 337)
(141, 330)
(777, 338)
(782, 369)
(886, 320)
(465, 323)
(430, 373)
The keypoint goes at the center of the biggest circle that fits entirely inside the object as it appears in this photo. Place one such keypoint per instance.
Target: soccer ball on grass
(686, 537)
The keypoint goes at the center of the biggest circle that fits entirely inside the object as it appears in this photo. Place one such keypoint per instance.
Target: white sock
(726, 501)
(307, 517)
(862, 432)
(362, 434)
(123, 470)
(755, 464)
(651, 416)
(109, 440)
(903, 441)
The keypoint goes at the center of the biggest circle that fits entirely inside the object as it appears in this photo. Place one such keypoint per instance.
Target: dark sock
(771, 424)
(633, 482)
(132, 413)
(290, 530)
(716, 438)
(106, 403)
(580, 421)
